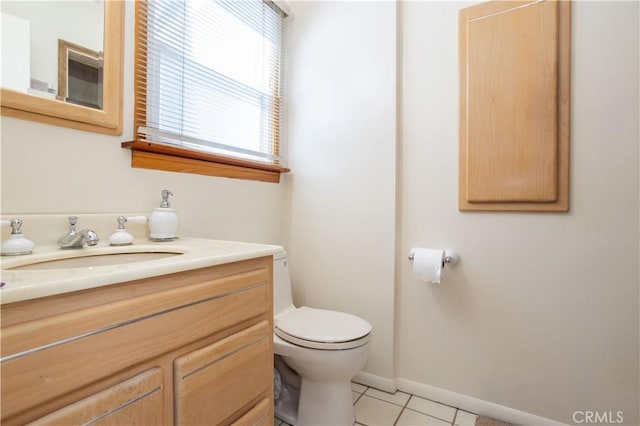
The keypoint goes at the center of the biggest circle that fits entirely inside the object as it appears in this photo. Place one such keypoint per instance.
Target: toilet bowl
(325, 349)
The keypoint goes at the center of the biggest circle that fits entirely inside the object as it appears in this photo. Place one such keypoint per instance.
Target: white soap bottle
(163, 221)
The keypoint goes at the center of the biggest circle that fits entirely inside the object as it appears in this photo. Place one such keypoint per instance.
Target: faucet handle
(121, 237)
(137, 219)
(16, 225)
(133, 219)
(121, 221)
(16, 244)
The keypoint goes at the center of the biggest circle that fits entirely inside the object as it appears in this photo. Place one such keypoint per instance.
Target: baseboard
(377, 382)
(474, 405)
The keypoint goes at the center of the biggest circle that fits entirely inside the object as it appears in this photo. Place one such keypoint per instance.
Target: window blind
(209, 76)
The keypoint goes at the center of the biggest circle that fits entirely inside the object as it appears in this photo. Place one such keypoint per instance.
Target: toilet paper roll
(428, 264)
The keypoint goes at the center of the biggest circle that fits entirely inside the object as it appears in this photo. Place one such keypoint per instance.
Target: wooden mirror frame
(109, 119)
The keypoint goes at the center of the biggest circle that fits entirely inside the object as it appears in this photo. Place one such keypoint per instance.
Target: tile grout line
(433, 415)
(388, 402)
(402, 411)
(355, 422)
(405, 407)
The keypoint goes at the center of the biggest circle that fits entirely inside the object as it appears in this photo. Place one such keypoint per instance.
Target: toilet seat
(322, 329)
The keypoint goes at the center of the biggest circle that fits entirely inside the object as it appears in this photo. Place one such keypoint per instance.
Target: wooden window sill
(149, 155)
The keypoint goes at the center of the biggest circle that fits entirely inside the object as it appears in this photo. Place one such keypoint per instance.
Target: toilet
(318, 352)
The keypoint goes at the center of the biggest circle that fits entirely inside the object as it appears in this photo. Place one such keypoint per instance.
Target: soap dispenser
(16, 244)
(163, 221)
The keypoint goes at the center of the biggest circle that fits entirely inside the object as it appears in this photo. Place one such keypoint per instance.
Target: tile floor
(377, 408)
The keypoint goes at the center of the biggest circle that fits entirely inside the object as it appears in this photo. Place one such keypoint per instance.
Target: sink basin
(90, 260)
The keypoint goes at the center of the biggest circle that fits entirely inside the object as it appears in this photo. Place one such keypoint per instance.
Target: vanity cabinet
(188, 348)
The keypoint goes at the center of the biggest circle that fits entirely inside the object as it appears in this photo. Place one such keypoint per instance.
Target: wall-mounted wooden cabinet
(514, 106)
(190, 348)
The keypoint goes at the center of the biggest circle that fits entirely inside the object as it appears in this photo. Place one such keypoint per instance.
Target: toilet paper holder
(450, 257)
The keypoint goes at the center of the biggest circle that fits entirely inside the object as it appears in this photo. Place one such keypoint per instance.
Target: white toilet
(323, 350)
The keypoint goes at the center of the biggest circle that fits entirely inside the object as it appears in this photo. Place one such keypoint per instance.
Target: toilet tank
(282, 300)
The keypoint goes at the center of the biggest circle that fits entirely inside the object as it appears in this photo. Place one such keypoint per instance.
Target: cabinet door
(222, 381)
(137, 401)
(514, 105)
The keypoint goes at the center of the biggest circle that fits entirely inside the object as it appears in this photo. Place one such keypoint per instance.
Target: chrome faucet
(77, 239)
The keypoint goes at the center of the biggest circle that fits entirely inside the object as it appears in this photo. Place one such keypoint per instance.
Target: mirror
(76, 83)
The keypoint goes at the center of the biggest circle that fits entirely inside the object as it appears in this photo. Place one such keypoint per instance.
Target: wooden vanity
(187, 348)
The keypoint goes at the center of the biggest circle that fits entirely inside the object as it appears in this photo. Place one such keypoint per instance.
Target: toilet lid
(322, 329)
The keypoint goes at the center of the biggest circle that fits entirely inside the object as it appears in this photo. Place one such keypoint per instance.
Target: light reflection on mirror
(30, 48)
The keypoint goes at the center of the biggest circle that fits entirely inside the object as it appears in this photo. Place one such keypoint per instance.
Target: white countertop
(195, 253)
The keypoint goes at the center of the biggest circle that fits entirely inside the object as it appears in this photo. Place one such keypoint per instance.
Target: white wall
(342, 154)
(48, 169)
(541, 314)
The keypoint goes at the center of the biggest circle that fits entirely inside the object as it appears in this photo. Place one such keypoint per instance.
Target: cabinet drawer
(27, 335)
(129, 332)
(137, 401)
(259, 415)
(217, 382)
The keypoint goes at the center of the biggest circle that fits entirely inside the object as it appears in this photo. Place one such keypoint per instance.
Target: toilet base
(302, 401)
(325, 403)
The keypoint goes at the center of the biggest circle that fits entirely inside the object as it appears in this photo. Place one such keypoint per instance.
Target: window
(208, 87)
